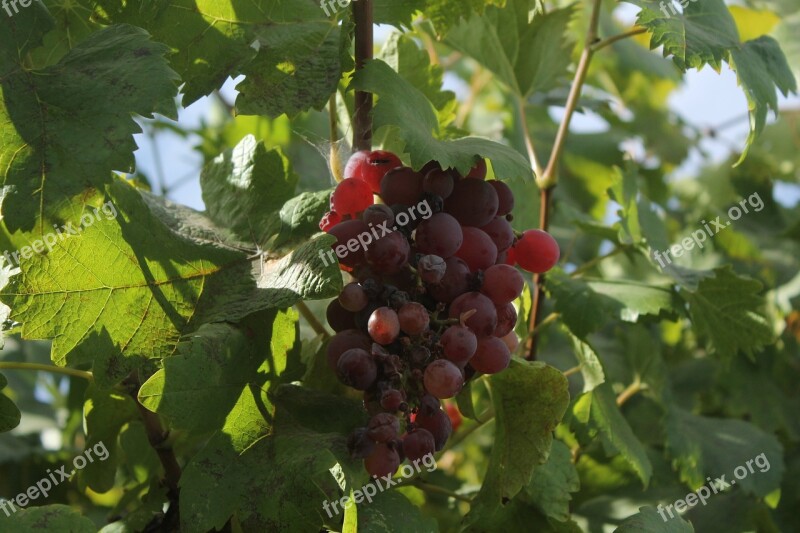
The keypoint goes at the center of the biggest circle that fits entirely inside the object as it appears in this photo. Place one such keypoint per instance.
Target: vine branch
(362, 127)
(48, 368)
(611, 40)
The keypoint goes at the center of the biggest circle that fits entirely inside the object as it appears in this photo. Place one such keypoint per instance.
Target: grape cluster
(430, 304)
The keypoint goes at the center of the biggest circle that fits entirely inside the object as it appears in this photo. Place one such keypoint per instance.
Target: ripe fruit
(384, 325)
(483, 320)
(478, 250)
(537, 251)
(438, 182)
(491, 357)
(505, 197)
(478, 171)
(347, 232)
(502, 284)
(473, 202)
(506, 320)
(345, 340)
(383, 461)
(370, 167)
(353, 298)
(439, 235)
(455, 281)
(401, 186)
(329, 220)
(459, 344)
(357, 369)
(389, 253)
(414, 318)
(443, 379)
(501, 233)
(383, 427)
(351, 197)
(438, 423)
(418, 444)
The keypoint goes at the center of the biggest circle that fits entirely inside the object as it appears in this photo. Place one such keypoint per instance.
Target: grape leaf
(47, 518)
(299, 218)
(530, 399)
(396, 13)
(527, 56)
(168, 285)
(552, 483)
(67, 126)
(9, 413)
(599, 408)
(704, 447)
(726, 309)
(73, 24)
(391, 511)
(243, 187)
(444, 14)
(403, 106)
(591, 367)
(647, 520)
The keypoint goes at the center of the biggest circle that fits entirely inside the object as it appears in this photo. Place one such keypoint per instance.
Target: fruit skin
(536, 251)
(357, 368)
(414, 318)
(383, 461)
(370, 167)
(484, 321)
(351, 197)
(438, 423)
(501, 233)
(401, 186)
(345, 340)
(440, 235)
(459, 344)
(473, 202)
(383, 427)
(505, 197)
(443, 379)
(384, 325)
(418, 444)
(438, 182)
(345, 232)
(478, 250)
(506, 320)
(389, 254)
(491, 357)
(329, 220)
(454, 282)
(502, 284)
(478, 171)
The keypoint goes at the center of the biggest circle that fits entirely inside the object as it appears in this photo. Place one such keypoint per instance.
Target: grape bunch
(430, 301)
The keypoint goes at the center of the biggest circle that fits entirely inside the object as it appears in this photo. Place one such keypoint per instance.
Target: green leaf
(298, 220)
(599, 408)
(9, 413)
(167, 283)
(530, 399)
(47, 518)
(591, 367)
(726, 309)
(527, 56)
(245, 186)
(465, 403)
(391, 511)
(403, 106)
(553, 482)
(647, 520)
(67, 126)
(703, 447)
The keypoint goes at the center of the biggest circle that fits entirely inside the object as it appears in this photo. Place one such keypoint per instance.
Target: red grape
(338, 317)
(414, 318)
(502, 284)
(491, 357)
(418, 444)
(511, 258)
(383, 461)
(438, 182)
(378, 214)
(478, 171)
(537, 251)
(401, 186)
(443, 379)
(389, 254)
(511, 341)
(438, 423)
(459, 344)
(454, 282)
(501, 233)
(329, 220)
(473, 202)
(357, 369)
(346, 340)
(392, 400)
(484, 320)
(478, 250)
(384, 325)
(504, 196)
(370, 167)
(439, 235)
(359, 444)
(353, 298)
(431, 268)
(383, 427)
(347, 248)
(506, 320)
(351, 197)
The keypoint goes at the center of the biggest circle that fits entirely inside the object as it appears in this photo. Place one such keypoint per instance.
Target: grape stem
(362, 127)
(312, 320)
(631, 391)
(47, 368)
(435, 489)
(594, 262)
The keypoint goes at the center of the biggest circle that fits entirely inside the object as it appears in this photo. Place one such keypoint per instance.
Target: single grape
(438, 182)
(338, 317)
(357, 369)
(353, 298)
(439, 235)
(418, 444)
(473, 202)
(389, 254)
(383, 427)
(504, 196)
(506, 320)
(536, 251)
(478, 171)
(511, 341)
(511, 258)
(346, 340)
(393, 400)
(455, 281)
(378, 215)
(491, 357)
(382, 462)
(483, 321)
(370, 167)
(501, 233)
(502, 284)
(351, 197)
(478, 250)
(438, 423)
(384, 325)
(428, 405)
(459, 344)
(443, 379)
(401, 186)
(329, 220)
(431, 268)
(414, 318)
(348, 248)
(359, 444)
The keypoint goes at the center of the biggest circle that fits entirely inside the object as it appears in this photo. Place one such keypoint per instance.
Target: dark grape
(455, 281)
(393, 400)
(501, 233)
(345, 340)
(506, 320)
(351, 197)
(439, 235)
(401, 186)
(384, 325)
(438, 423)
(431, 268)
(491, 357)
(357, 369)
(389, 253)
(418, 444)
(473, 202)
(359, 444)
(378, 215)
(338, 317)
(383, 427)
(347, 248)
(459, 344)
(536, 251)
(353, 298)
(443, 379)
(478, 250)
(383, 461)
(483, 321)
(414, 318)
(478, 171)
(511, 341)
(438, 182)
(505, 197)
(502, 284)
(329, 220)
(370, 167)
(428, 405)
